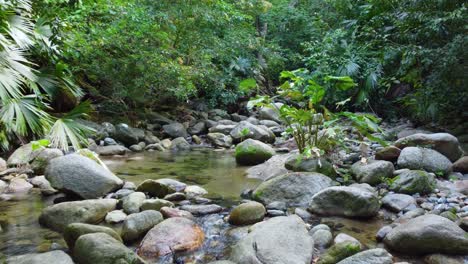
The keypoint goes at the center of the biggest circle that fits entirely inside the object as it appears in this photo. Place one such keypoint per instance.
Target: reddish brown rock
(171, 235)
(169, 212)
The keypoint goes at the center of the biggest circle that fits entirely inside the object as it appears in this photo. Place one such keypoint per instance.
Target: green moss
(338, 252)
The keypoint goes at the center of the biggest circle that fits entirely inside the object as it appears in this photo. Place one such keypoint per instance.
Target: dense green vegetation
(138, 55)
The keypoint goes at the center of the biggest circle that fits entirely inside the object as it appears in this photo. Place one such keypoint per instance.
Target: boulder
(428, 234)
(43, 184)
(279, 240)
(219, 140)
(126, 134)
(155, 188)
(169, 212)
(274, 166)
(175, 130)
(3, 186)
(397, 202)
(174, 184)
(40, 162)
(390, 153)
(170, 236)
(136, 148)
(59, 216)
(247, 213)
(371, 256)
(131, 203)
(269, 123)
(373, 172)
(3, 165)
(55, 256)
(444, 143)
(73, 231)
(136, 225)
(155, 204)
(322, 238)
(461, 165)
(245, 130)
(19, 185)
(111, 150)
(197, 129)
(416, 158)
(193, 191)
(320, 165)
(345, 201)
(81, 176)
(413, 181)
(253, 152)
(271, 112)
(294, 189)
(202, 209)
(23, 155)
(103, 249)
(180, 144)
(342, 237)
(116, 216)
(222, 129)
(443, 259)
(338, 252)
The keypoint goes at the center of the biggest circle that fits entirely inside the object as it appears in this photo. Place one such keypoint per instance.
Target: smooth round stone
(169, 212)
(342, 237)
(247, 213)
(155, 204)
(178, 196)
(202, 209)
(319, 227)
(383, 232)
(116, 216)
(322, 238)
(274, 213)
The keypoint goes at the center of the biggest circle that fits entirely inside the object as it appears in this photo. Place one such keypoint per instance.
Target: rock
(175, 130)
(413, 181)
(397, 202)
(415, 158)
(245, 130)
(222, 129)
(279, 240)
(136, 148)
(131, 203)
(299, 164)
(19, 185)
(277, 206)
(275, 213)
(237, 118)
(202, 209)
(271, 112)
(269, 123)
(166, 143)
(322, 238)
(43, 184)
(180, 144)
(371, 256)
(382, 233)
(170, 236)
(193, 191)
(178, 196)
(464, 223)
(443, 259)
(111, 150)
(155, 204)
(81, 176)
(461, 165)
(23, 155)
(338, 252)
(122, 193)
(136, 225)
(116, 216)
(169, 212)
(103, 249)
(269, 169)
(373, 172)
(294, 189)
(219, 140)
(345, 201)
(174, 184)
(342, 237)
(156, 146)
(247, 213)
(197, 129)
(3, 165)
(55, 256)
(444, 143)
(3, 186)
(319, 227)
(428, 234)
(109, 141)
(41, 161)
(253, 152)
(126, 134)
(156, 188)
(59, 216)
(390, 153)
(73, 231)
(150, 138)
(196, 139)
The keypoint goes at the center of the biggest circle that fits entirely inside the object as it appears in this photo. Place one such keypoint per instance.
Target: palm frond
(66, 132)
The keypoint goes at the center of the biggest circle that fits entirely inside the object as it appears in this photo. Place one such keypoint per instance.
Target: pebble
(274, 213)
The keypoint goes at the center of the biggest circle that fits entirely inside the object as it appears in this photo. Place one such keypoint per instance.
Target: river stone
(103, 249)
(247, 213)
(3, 165)
(294, 189)
(126, 134)
(299, 164)
(180, 144)
(415, 158)
(3, 186)
(319, 227)
(339, 252)
(270, 112)
(269, 169)
(156, 188)
(169, 212)
(220, 140)
(136, 225)
(413, 181)
(279, 240)
(428, 234)
(371, 256)
(373, 172)
(345, 201)
(253, 152)
(342, 237)
(397, 202)
(444, 143)
(177, 196)
(131, 203)
(170, 236)
(19, 185)
(461, 165)
(40, 162)
(443, 259)
(43, 184)
(81, 176)
(194, 191)
(322, 238)
(221, 129)
(59, 216)
(260, 133)
(197, 129)
(73, 231)
(155, 204)
(390, 153)
(111, 150)
(174, 184)
(51, 257)
(175, 130)
(202, 209)
(382, 233)
(116, 216)
(23, 155)
(136, 148)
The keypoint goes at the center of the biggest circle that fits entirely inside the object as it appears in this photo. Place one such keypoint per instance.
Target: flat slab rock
(202, 209)
(397, 201)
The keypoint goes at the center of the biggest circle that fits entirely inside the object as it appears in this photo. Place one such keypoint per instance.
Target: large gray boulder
(81, 176)
(180, 144)
(23, 155)
(247, 213)
(59, 216)
(270, 168)
(444, 143)
(55, 256)
(245, 130)
(131, 203)
(220, 140)
(103, 249)
(175, 130)
(294, 189)
(428, 234)
(41, 161)
(136, 225)
(301, 164)
(373, 172)
(74, 231)
(371, 256)
(126, 134)
(279, 240)
(416, 158)
(397, 201)
(345, 201)
(413, 181)
(253, 152)
(270, 112)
